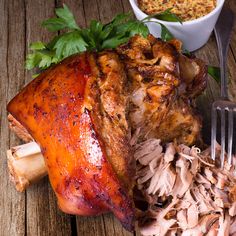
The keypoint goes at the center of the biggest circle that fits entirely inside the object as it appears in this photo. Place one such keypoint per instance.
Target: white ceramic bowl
(194, 34)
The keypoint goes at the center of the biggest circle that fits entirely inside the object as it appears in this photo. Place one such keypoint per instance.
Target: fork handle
(223, 30)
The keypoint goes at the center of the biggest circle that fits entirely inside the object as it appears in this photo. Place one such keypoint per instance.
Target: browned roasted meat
(163, 83)
(182, 123)
(76, 112)
(82, 111)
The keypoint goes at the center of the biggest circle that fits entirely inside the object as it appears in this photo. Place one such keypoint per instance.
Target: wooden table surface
(35, 211)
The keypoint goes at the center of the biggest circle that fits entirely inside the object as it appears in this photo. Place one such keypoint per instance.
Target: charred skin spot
(67, 182)
(37, 110)
(43, 150)
(75, 189)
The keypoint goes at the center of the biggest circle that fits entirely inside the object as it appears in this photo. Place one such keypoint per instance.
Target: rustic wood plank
(108, 9)
(77, 9)
(137, 231)
(126, 6)
(91, 11)
(43, 215)
(36, 12)
(232, 56)
(232, 76)
(12, 204)
(113, 226)
(87, 226)
(208, 54)
(232, 5)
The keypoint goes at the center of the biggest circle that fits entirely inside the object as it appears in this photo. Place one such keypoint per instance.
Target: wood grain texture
(232, 57)
(35, 212)
(232, 5)
(126, 6)
(113, 226)
(12, 204)
(91, 11)
(108, 9)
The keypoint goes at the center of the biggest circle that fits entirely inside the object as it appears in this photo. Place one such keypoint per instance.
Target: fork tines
(223, 107)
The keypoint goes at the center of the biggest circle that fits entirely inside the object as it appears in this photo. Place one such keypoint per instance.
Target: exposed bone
(26, 165)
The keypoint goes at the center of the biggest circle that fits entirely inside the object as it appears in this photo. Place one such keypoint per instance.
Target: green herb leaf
(37, 46)
(68, 44)
(96, 28)
(32, 60)
(42, 59)
(186, 52)
(65, 20)
(35, 75)
(52, 43)
(75, 40)
(120, 19)
(139, 28)
(46, 61)
(65, 14)
(114, 42)
(107, 30)
(214, 72)
(54, 24)
(166, 35)
(167, 15)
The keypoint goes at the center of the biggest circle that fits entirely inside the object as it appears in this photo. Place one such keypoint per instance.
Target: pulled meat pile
(185, 193)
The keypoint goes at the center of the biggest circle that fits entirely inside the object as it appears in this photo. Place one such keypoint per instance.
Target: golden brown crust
(60, 117)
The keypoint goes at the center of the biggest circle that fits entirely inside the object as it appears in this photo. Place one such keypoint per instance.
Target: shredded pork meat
(186, 194)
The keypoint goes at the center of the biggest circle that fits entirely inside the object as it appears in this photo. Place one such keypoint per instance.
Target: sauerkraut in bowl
(193, 33)
(184, 9)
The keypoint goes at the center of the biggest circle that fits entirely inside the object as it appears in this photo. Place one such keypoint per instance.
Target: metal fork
(223, 29)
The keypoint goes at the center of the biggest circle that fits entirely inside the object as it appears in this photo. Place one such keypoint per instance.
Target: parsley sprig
(96, 37)
(214, 72)
(167, 15)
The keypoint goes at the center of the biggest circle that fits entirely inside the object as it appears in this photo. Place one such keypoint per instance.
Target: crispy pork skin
(76, 112)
